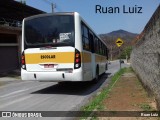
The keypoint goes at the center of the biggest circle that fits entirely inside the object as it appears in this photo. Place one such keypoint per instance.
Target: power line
(48, 2)
(59, 9)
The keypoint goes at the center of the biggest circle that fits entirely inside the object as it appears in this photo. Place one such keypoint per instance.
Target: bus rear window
(55, 30)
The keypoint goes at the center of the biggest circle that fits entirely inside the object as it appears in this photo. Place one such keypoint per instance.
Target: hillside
(110, 39)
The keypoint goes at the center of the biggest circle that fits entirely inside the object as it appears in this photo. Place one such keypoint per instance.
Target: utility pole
(53, 6)
(119, 42)
(120, 57)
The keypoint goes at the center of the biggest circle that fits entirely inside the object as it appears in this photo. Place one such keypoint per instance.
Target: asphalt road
(50, 96)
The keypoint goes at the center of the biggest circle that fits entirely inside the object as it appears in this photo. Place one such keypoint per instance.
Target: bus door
(93, 62)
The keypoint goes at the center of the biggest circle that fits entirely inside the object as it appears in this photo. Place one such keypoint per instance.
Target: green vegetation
(126, 52)
(145, 107)
(23, 2)
(96, 103)
(129, 70)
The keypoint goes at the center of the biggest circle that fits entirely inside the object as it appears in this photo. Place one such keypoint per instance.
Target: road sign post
(119, 43)
(120, 57)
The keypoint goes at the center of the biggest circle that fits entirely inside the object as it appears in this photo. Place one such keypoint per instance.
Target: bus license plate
(49, 66)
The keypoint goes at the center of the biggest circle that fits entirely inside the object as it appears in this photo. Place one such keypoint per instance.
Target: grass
(145, 107)
(96, 103)
(129, 70)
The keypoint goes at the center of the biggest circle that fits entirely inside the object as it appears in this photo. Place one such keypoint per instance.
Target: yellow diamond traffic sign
(119, 42)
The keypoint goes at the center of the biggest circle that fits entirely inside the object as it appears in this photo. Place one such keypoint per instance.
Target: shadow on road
(13, 73)
(73, 88)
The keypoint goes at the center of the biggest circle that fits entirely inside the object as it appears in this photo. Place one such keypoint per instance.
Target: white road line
(13, 93)
(20, 91)
(15, 101)
(13, 83)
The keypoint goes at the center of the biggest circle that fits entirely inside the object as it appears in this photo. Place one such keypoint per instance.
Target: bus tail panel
(53, 59)
(53, 64)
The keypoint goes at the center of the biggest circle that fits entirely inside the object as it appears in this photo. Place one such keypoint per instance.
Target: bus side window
(96, 44)
(103, 49)
(91, 38)
(82, 32)
(100, 47)
(98, 51)
(85, 38)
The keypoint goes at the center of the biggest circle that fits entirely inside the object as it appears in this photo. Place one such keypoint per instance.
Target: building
(11, 16)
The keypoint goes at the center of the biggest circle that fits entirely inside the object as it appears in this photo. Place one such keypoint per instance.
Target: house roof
(10, 9)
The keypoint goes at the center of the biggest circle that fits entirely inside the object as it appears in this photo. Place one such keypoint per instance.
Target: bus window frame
(84, 38)
(91, 41)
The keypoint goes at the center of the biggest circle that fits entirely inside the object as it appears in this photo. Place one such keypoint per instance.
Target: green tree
(126, 52)
(23, 2)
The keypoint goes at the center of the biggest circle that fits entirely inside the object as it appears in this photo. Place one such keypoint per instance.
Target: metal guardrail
(10, 22)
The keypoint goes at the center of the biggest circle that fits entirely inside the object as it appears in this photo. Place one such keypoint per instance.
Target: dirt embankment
(129, 95)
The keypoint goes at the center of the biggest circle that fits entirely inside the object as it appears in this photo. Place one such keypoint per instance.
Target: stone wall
(145, 57)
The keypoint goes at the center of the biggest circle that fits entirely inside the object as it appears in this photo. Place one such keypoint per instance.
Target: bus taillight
(77, 62)
(23, 61)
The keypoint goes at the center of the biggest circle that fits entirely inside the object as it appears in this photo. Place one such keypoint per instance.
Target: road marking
(20, 91)
(14, 83)
(18, 100)
(14, 93)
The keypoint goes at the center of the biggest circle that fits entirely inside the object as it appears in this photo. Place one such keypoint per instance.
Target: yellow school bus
(61, 47)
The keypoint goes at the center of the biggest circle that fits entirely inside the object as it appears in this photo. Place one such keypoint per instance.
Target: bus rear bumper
(52, 76)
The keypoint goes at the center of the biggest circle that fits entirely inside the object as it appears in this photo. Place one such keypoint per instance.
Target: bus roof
(63, 13)
(49, 14)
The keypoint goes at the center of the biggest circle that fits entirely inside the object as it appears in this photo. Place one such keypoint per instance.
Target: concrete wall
(10, 49)
(145, 57)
